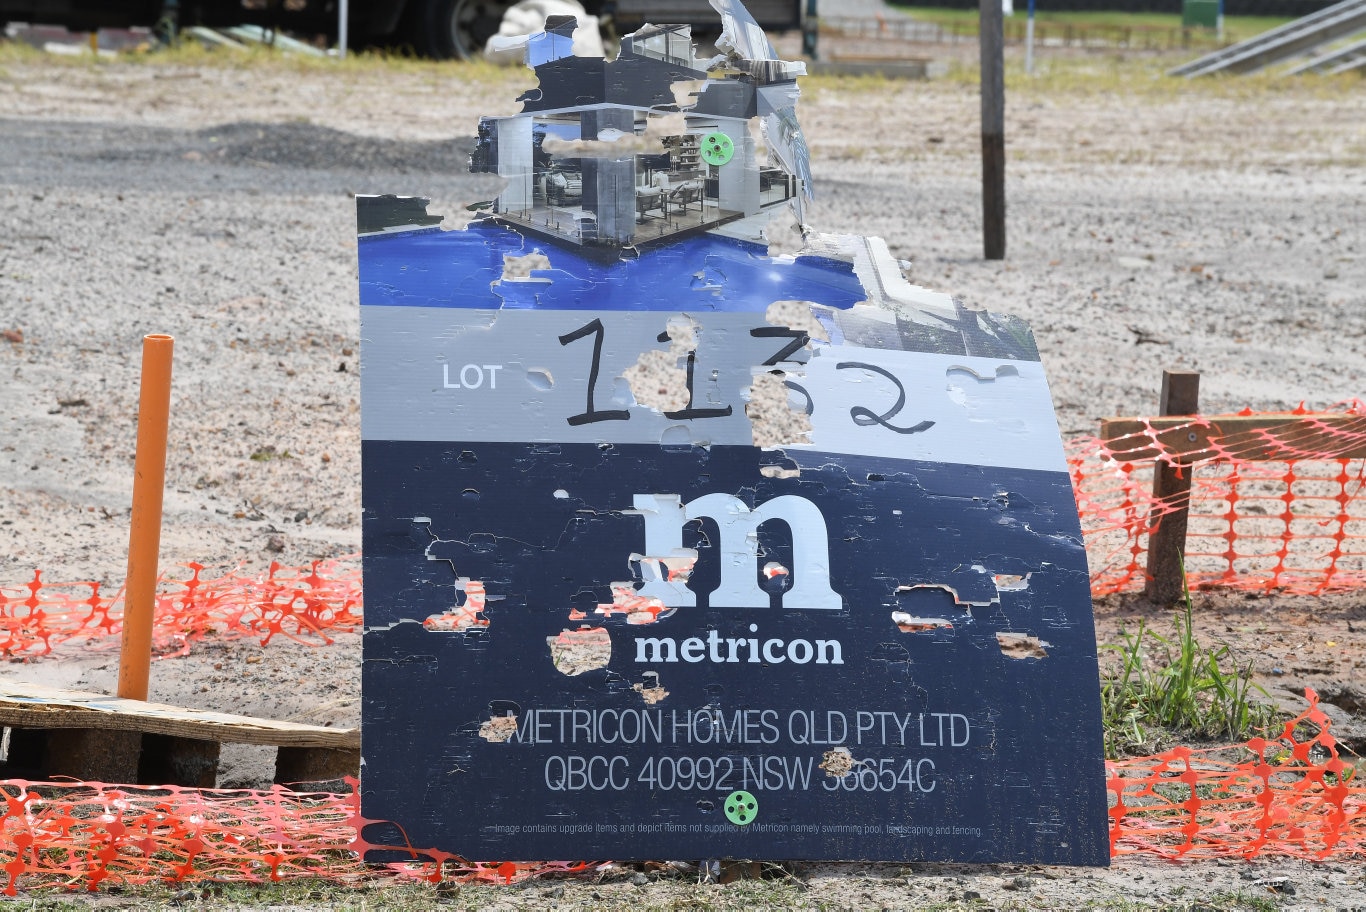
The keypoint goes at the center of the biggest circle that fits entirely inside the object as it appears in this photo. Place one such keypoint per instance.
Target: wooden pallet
(98, 738)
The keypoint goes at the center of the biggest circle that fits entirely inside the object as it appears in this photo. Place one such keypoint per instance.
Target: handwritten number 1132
(862, 415)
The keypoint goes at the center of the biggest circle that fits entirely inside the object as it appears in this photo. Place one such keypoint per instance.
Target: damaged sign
(674, 548)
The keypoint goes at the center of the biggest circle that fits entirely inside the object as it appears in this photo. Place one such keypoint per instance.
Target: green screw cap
(741, 808)
(717, 149)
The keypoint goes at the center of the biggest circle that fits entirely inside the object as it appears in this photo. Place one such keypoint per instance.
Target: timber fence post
(1172, 490)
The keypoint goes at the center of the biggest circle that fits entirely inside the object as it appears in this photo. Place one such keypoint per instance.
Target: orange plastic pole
(144, 536)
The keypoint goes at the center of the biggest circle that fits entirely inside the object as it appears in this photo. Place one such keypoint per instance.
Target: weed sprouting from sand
(1195, 691)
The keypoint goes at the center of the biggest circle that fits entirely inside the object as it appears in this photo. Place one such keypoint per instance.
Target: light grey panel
(516, 375)
(936, 408)
(477, 375)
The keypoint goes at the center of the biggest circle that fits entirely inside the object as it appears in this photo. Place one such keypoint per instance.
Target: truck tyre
(455, 29)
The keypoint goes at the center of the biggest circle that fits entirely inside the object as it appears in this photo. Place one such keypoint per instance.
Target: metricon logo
(718, 649)
(665, 516)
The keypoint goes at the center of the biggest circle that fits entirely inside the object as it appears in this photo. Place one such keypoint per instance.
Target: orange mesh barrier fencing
(301, 603)
(1288, 795)
(80, 835)
(1295, 523)
(1285, 796)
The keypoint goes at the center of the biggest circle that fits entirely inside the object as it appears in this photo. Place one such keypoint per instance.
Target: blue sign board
(598, 626)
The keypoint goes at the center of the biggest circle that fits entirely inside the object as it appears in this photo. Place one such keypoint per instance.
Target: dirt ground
(1218, 227)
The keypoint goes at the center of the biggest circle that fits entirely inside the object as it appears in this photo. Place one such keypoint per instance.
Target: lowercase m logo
(665, 516)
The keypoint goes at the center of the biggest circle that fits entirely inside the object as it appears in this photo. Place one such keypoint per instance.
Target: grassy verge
(191, 53)
(1096, 74)
(1108, 78)
(1146, 76)
(964, 21)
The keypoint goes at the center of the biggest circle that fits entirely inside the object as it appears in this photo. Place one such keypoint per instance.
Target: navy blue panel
(702, 272)
(1026, 783)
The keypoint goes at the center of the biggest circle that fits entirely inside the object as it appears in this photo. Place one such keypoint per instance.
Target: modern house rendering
(632, 151)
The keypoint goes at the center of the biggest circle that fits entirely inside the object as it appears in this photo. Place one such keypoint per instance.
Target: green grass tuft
(1193, 692)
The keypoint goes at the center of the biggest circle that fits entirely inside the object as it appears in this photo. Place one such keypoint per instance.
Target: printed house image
(604, 154)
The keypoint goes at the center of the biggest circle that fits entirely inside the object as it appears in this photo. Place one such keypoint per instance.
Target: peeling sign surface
(644, 589)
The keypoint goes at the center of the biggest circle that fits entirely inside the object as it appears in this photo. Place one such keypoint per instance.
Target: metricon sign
(677, 549)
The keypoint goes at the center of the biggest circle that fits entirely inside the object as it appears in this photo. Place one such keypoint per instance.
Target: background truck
(440, 29)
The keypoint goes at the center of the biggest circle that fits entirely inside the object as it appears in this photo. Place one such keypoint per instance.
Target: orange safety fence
(78, 835)
(1296, 525)
(1289, 795)
(1285, 794)
(300, 603)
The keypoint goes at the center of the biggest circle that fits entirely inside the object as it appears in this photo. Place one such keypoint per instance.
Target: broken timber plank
(97, 737)
(38, 706)
(1280, 436)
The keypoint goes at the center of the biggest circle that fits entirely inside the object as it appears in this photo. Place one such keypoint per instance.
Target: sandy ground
(1214, 228)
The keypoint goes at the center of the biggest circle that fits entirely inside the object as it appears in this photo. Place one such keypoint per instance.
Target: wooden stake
(144, 536)
(992, 39)
(1167, 542)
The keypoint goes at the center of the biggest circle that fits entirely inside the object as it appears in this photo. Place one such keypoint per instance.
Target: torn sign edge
(878, 273)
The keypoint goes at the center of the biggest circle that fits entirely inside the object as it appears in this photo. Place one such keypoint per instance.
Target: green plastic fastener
(741, 808)
(717, 149)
